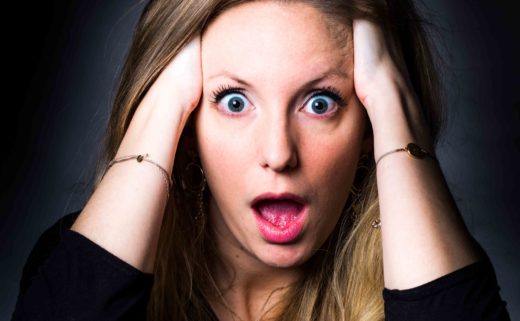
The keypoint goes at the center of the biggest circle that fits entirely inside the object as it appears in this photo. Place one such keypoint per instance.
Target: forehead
(271, 37)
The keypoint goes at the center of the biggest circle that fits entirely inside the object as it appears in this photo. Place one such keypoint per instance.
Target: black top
(69, 277)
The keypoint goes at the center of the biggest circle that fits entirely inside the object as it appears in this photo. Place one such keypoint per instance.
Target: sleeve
(69, 277)
(470, 293)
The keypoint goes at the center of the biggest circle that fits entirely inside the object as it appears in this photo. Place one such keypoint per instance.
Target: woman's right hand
(180, 84)
(124, 214)
(166, 107)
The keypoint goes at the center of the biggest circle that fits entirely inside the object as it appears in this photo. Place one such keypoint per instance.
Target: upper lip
(280, 196)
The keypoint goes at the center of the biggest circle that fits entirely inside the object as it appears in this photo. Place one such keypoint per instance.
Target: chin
(284, 255)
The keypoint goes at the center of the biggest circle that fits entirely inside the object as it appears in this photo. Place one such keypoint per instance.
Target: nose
(277, 145)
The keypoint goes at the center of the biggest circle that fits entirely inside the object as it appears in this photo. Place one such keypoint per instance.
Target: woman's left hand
(375, 71)
(382, 85)
(418, 214)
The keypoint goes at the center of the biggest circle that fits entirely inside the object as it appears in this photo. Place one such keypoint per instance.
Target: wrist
(396, 121)
(386, 93)
(155, 129)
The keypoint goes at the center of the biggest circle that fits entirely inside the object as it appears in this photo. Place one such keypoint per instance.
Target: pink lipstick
(280, 217)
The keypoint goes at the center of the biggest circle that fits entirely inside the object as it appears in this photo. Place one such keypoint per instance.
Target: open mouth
(280, 213)
(280, 220)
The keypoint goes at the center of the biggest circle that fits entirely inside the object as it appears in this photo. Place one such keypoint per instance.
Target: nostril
(280, 162)
(279, 150)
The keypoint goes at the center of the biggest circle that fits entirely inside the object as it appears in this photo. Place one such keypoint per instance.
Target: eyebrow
(328, 73)
(230, 75)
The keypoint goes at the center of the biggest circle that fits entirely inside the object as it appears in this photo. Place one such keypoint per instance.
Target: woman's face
(278, 120)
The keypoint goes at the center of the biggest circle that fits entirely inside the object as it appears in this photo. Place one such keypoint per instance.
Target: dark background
(62, 62)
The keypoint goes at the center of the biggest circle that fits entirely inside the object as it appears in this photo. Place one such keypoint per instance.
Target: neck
(242, 302)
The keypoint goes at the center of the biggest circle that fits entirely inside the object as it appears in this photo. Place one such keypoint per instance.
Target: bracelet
(139, 158)
(414, 151)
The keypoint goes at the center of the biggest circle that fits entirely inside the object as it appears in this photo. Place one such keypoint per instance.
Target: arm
(67, 277)
(423, 234)
(125, 212)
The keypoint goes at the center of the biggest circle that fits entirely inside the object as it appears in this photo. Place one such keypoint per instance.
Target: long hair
(345, 279)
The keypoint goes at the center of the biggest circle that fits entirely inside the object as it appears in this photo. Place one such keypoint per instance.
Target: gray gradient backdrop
(63, 66)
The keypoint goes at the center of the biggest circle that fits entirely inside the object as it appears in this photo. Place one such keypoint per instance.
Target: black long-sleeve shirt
(69, 277)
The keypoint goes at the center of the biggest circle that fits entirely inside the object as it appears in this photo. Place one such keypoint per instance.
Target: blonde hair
(345, 279)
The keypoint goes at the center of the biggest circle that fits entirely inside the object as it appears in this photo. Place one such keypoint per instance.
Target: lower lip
(275, 234)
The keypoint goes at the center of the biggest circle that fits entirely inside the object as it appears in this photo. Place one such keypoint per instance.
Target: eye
(230, 100)
(234, 102)
(324, 102)
(319, 104)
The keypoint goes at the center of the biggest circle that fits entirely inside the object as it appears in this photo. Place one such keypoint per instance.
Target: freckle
(237, 256)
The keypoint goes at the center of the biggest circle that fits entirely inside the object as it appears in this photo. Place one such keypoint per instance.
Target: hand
(382, 85)
(418, 214)
(162, 114)
(180, 83)
(375, 72)
(155, 129)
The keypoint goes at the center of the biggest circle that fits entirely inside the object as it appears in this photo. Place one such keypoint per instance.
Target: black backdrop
(62, 61)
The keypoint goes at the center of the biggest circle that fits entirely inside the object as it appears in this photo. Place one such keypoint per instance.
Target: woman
(299, 135)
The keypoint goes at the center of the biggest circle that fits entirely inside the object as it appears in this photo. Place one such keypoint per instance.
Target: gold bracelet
(414, 151)
(139, 158)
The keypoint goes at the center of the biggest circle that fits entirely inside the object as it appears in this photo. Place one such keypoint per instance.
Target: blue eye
(319, 104)
(230, 100)
(234, 102)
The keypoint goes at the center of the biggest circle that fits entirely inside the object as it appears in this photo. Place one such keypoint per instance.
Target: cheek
(330, 156)
(222, 156)
(333, 182)
(329, 162)
(331, 168)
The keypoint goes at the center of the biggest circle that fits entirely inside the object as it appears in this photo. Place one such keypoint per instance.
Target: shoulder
(44, 246)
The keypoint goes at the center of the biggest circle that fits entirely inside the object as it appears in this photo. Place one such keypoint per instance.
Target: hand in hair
(180, 83)
(125, 212)
(423, 234)
(374, 65)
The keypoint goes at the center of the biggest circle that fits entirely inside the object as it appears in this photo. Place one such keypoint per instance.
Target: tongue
(279, 212)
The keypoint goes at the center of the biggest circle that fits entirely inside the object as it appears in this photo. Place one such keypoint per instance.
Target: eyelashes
(320, 103)
(223, 90)
(331, 92)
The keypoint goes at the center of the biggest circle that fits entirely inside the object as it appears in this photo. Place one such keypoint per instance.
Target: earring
(376, 223)
(193, 181)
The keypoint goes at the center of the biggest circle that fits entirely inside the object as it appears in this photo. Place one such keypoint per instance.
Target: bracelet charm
(416, 151)
(413, 150)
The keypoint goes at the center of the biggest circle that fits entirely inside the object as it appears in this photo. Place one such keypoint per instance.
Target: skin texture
(277, 143)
